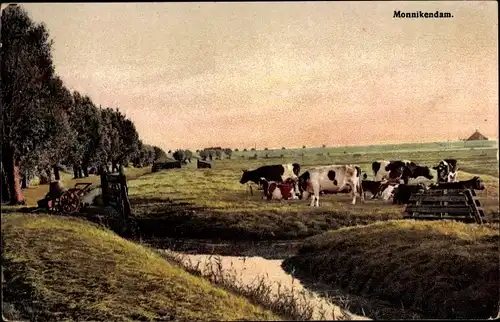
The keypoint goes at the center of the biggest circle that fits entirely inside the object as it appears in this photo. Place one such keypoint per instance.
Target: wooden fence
(115, 195)
(445, 204)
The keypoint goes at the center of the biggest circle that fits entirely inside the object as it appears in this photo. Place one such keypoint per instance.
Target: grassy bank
(436, 269)
(67, 269)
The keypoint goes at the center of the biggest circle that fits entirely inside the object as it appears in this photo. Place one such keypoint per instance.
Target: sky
(273, 74)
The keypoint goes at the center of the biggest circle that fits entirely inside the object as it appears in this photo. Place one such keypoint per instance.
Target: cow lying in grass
(403, 192)
(274, 190)
(473, 184)
(383, 189)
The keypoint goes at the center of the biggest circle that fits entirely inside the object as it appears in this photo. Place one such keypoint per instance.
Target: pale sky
(193, 75)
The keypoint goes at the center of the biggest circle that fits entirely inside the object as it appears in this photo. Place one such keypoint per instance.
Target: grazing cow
(331, 179)
(403, 192)
(403, 170)
(203, 165)
(278, 173)
(473, 184)
(446, 171)
(383, 169)
(279, 190)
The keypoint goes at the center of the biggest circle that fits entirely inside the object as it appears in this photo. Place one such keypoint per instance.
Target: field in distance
(211, 203)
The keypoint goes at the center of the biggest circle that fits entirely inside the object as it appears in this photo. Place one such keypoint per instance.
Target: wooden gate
(445, 204)
(115, 195)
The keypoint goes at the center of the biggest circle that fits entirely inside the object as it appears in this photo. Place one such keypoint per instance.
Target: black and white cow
(399, 170)
(382, 168)
(277, 172)
(475, 183)
(331, 179)
(403, 192)
(446, 171)
(383, 189)
(372, 187)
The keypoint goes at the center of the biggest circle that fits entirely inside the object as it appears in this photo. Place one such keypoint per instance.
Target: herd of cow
(282, 181)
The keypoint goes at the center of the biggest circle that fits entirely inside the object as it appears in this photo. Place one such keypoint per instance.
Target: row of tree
(217, 153)
(44, 125)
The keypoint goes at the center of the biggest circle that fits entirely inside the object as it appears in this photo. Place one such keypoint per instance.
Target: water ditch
(249, 265)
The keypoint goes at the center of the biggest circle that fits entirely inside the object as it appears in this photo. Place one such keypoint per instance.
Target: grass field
(65, 269)
(211, 203)
(440, 270)
(73, 267)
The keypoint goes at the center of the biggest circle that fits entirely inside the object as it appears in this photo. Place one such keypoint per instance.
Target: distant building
(476, 136)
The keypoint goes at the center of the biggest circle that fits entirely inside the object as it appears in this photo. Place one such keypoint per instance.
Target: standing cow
(278, 173)
(446, 171)
(331, 179)
(399, 170)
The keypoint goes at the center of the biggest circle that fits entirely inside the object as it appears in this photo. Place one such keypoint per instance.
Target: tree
(59, 134)
(204, 155)
(228, 152)
(159, 154)
(283, 148)
(91, 145)
(303, 147)
(26, 69)
(236, 150)
(180, 155)
(218, 154)
(188, 155)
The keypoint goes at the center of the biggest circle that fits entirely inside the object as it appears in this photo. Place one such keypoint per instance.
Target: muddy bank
(279, 249)
(253, 272)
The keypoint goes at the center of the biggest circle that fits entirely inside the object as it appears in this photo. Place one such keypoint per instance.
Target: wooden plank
(427, 217)
(113, 178)
(435, 209)
(448, 192)
(434, 216)
(428, 198)
(440, 206)
(474, 206)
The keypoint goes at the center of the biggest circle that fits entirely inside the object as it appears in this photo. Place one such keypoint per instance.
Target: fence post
(126, 203)
(104, 188)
